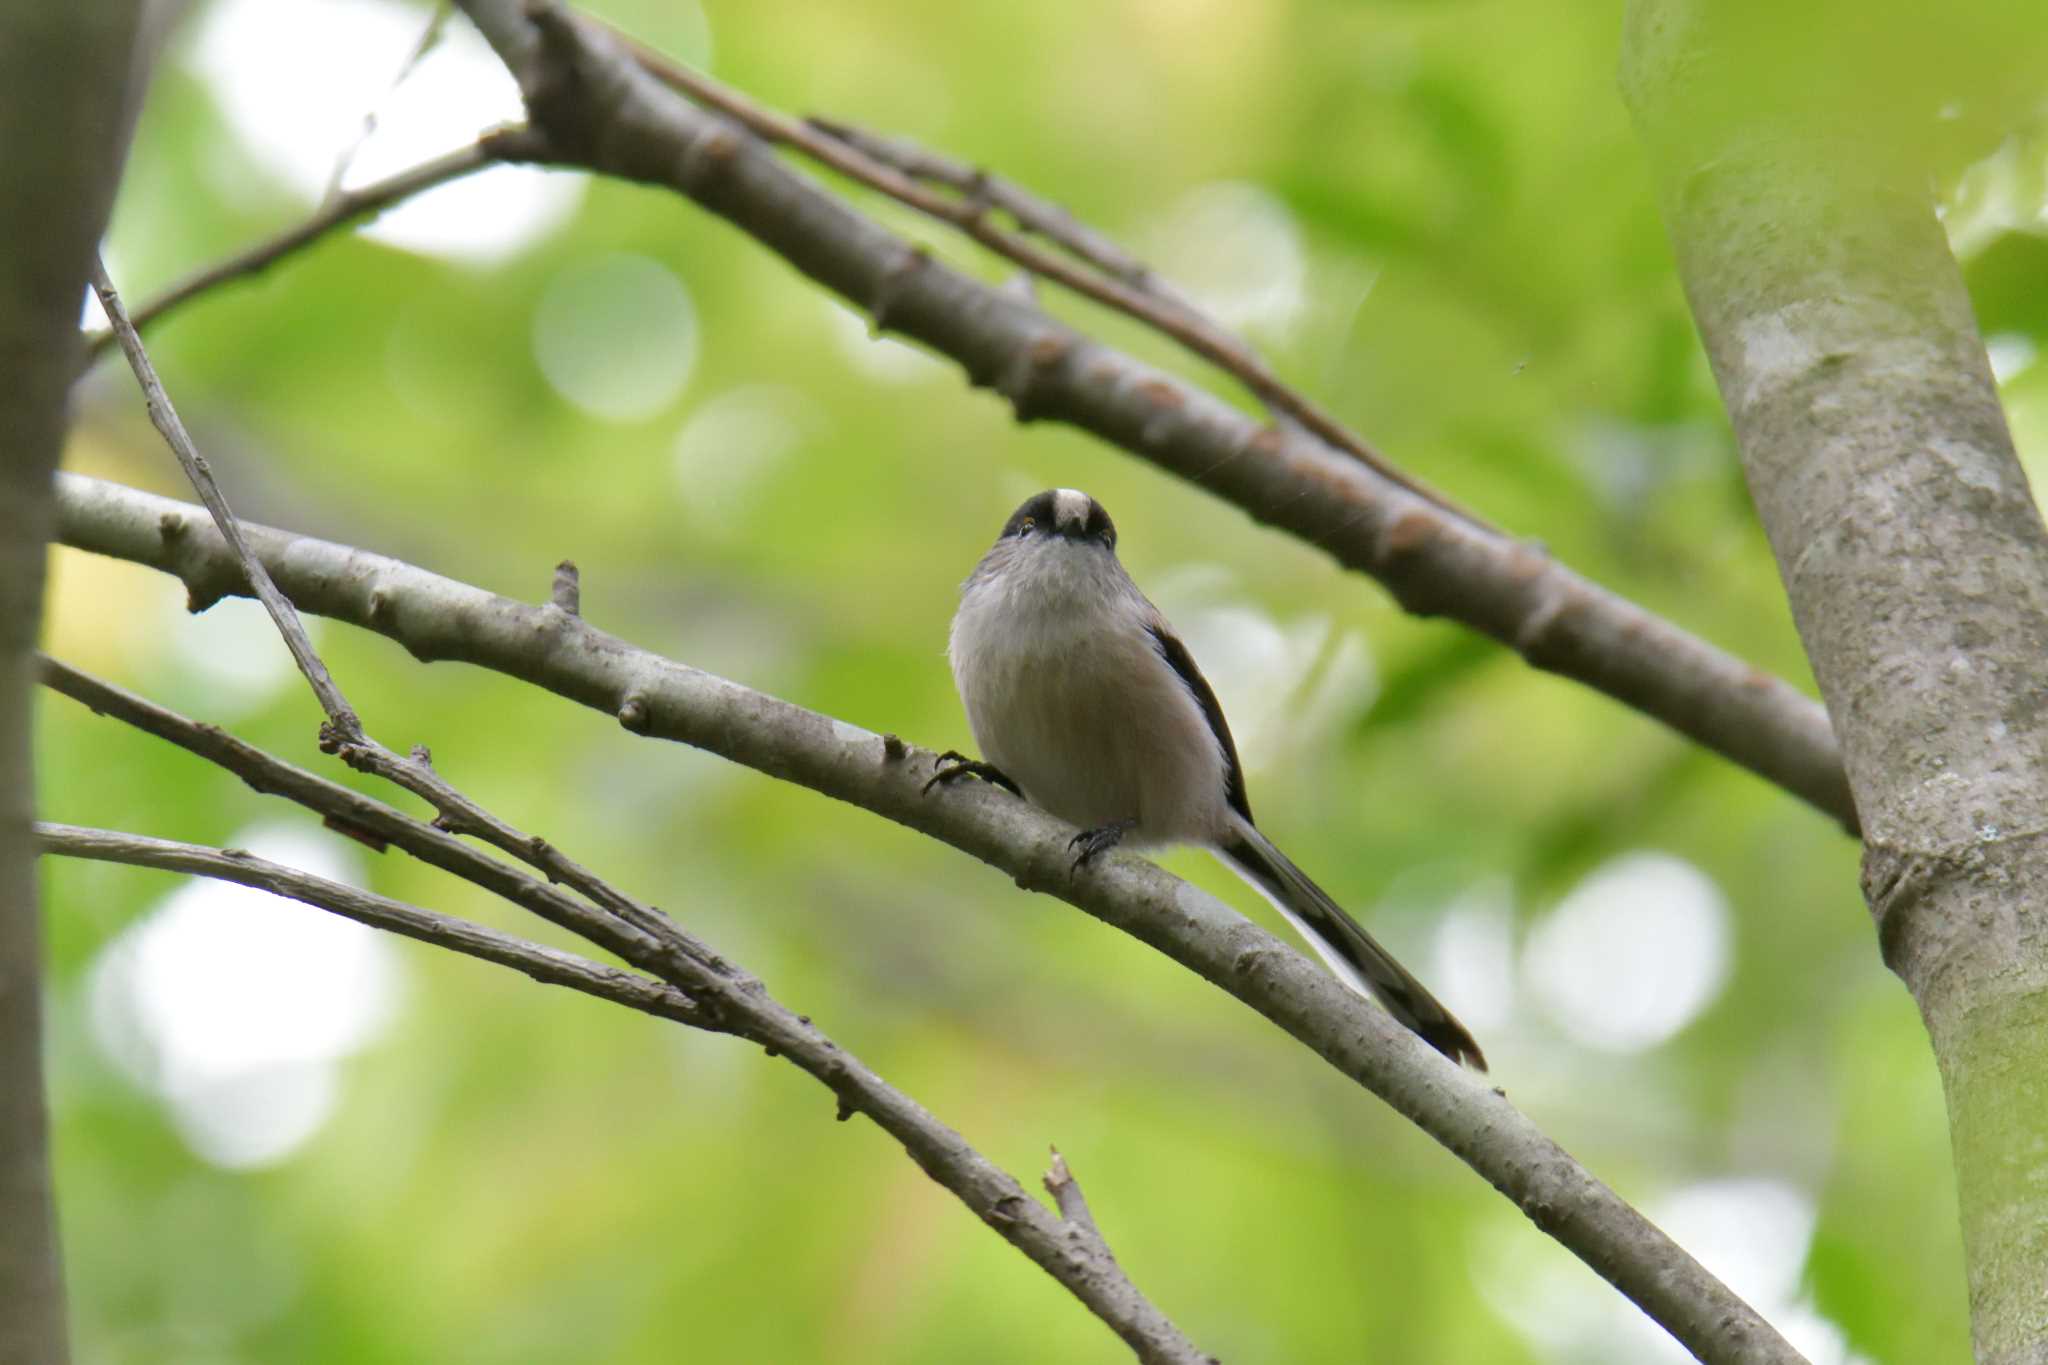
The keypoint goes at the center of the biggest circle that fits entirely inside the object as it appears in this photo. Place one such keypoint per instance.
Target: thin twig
(1066, 1192)
(970, 215)
(567, 592)
(339, 713)
(429, 39)
(363, 817)
(343, 734)
(437, 618)
(1033, 214)
(550, 966)
(340, 209)
(724, 999)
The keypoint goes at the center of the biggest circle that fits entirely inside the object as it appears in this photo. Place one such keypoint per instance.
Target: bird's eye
(1026, 526)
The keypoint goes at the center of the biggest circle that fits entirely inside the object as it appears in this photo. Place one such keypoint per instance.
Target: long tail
(1352, 954)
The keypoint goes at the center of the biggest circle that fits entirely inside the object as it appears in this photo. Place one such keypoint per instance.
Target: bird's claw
(953, 765)
(1099, 840)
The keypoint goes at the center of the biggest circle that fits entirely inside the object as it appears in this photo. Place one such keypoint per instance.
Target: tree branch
(437, 618)
(374, 823)
(735, 1000)
(1508, 590)
(165, 418)
(343, 734)
(1910, 544)
(596, 108)
(70, 76)
(549, 966)
(338, 210)
(829, 145)
(1031, 213)
(705, 991)
(1066, 1192)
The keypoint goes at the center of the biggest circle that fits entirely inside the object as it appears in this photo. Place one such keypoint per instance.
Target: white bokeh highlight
(1285, 686)
(731, 445)
(1237, 250)
(2010, 353)
(875, 356)
(1754, 1234)
(232, 652)
(1632, 954)
(295, 79)
(1472, 956)
(236, 1007)
(616, 336)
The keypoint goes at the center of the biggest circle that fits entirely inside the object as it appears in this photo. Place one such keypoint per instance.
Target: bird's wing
(1177, 657)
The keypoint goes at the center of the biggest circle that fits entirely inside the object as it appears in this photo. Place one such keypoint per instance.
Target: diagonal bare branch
(1034, 215)
(429, 39)
(706, 992)
(1432, 563)
(597, 108)
(343, 734)
(165, 417)
(826, 144)
(550, 966)
(437, 618)
(367, 819)
(716, 988)
(337, 210)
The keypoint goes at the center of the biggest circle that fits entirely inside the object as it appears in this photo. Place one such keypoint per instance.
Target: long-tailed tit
(1085, 702)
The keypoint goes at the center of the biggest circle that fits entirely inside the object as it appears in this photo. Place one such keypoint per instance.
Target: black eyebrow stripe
(1039, 509)
(1177, 657)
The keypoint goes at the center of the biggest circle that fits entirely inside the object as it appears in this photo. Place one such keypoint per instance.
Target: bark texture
(64, 72)
(1909, 542)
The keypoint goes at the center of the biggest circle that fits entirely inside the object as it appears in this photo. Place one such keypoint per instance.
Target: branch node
(709, 155)
(1021, 382)
(889, 286)
(845, 1111)
(567, 592)
(1535, 628)
(1073, 1205)
(893, 748)
(1166, 404)
(635, 714)
(171, 526)
(1404, 537)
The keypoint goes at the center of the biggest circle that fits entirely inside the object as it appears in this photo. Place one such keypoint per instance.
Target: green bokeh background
(514, 1174)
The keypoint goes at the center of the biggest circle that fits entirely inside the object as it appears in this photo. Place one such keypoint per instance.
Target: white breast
(1067, 694)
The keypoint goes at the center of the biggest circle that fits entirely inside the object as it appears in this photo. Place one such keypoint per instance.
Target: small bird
(1085, 703)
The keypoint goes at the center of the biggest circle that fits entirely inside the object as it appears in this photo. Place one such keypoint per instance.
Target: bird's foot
(1101, 839)
(953, 765)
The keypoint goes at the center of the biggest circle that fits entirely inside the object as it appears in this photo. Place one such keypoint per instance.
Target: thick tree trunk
(1909, 543)
(64, 84)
